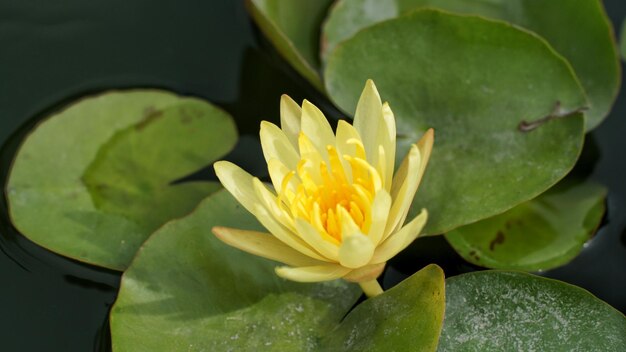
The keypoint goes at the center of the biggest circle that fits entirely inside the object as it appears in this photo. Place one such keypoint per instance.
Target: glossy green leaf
(508, 311)
(186, 290)
(476, 86)
(408, 317)
(294, 29)
(577, 29)
(543, 233)
(92, 181)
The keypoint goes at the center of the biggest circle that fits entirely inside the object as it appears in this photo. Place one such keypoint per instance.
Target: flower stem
(371, 288)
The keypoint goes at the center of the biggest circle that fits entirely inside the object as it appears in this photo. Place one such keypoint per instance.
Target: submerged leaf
(540, 234)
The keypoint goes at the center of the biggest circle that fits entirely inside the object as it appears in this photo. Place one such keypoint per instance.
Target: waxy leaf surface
(92, 181)
(510, 311)
(186, 290)
(458, 77)
(578, 29)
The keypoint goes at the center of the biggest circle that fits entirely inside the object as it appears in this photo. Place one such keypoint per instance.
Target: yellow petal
(346, 134)
(276, 145)
(403, 189)
(368, 120)
(316, 127)
(238, 182)
(283, 234)
(269, 200)
(387, 138)
(355, 251)
(380, 213)
(278, 171)
(264, 245)
(316, 240)
(312, 273)
(401, 239)
(425, 145)
(290, 113)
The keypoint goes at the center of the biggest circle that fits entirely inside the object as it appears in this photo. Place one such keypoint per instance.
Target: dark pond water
(52, 52)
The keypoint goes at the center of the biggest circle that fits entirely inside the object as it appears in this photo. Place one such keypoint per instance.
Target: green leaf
(509, 311)
(186, 290)
(294, 29)
(575, 28)
(475, 82)
(408, 317)
(92, 181)
(543, 233)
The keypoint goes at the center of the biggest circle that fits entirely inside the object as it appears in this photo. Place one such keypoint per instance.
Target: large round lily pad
(502, 102)
(508, 311)
(92, 181)
(540, 234)
(188, 291)
(577, 29)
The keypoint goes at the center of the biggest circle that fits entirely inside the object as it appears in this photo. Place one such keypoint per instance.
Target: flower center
(333, 189)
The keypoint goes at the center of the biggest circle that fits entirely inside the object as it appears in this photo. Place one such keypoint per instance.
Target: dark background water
(54, 51)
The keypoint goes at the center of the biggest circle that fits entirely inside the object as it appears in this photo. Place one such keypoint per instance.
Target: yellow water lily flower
(336, 209)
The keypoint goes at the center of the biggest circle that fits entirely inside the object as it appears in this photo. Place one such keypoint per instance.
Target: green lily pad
(543, 233)
(408, 317)
(509, 311)
(478, 83)
(575, 28)
(92, 181)
(186, 290)
(294, 29)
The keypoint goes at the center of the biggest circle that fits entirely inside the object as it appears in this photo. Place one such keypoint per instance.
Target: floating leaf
(186, 290)
(92, 181)
(408, 317)
(294, 28)
(575, 28)
(476, 86)
(543, 233)
(509, 311)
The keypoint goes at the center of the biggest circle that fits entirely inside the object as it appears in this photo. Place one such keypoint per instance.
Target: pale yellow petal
(283, 234)
(269, 200)
(355, 251)
(387, 138)
(346, 135)
(312, 273)
(380, 213)
(368, 120)
(405, 184)
(276, 145)
(425, 145)
(264, 245)
(320, 242)
(316, 127)
(278, 171)
(400, 240)
(290, 113)
(238, 182)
